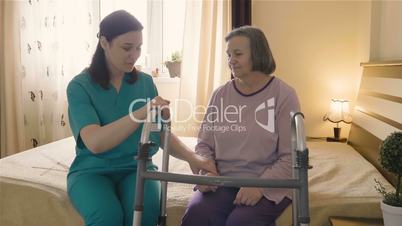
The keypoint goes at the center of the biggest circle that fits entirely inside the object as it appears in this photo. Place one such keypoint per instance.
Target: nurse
(102, 177)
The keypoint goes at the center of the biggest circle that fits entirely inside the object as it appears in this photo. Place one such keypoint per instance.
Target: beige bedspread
(33, 186)
(341, 183)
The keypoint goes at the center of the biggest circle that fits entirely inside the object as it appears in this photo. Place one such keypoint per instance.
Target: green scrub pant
(107, 198)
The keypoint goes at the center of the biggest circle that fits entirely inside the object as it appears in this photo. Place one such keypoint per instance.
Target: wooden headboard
(378, 110)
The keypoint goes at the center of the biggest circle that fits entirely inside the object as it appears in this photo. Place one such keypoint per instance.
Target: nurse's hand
(207, 188)
(158, 101)
(204, 166)
(199, 163)
(163, 104)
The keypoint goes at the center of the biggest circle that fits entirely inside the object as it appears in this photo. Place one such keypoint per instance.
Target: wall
(386, 30)
(318, 47)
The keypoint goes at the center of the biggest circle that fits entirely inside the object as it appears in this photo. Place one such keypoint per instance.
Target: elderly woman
(255, 143)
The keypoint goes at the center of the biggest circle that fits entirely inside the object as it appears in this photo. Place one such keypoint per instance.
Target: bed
(341, 181)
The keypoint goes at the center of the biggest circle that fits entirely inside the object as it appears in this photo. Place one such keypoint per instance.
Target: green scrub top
(89, 103)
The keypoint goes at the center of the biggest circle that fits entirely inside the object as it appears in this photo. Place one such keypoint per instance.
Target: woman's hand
(163, 105)
(207, 188)
(158, 102)
(199, 163)
(248, 196)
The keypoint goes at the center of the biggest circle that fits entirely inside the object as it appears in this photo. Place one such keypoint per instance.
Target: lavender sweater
(250, 135)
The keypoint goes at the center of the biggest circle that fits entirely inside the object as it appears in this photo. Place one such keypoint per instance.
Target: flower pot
(392, 215)
(174, 68)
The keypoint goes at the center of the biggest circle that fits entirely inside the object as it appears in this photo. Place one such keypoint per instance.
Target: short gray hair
(261, 55)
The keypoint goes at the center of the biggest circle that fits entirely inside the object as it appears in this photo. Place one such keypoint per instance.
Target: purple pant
(217, 209)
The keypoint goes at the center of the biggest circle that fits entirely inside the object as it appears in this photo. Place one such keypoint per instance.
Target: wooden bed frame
(361, 137)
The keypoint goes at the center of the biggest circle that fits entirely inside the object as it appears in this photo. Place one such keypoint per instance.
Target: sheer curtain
(204, 60)
(44, 44)
(11, 129)
(50, 43)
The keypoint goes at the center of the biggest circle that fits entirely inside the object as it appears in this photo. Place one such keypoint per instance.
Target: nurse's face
(123, 51)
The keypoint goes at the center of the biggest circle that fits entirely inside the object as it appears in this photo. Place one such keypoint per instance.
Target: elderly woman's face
(239, 56)
(124, 50)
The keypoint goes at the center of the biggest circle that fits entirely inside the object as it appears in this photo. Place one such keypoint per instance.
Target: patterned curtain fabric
(57, 40)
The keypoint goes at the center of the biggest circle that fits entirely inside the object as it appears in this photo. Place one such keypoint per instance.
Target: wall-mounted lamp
(338, 112)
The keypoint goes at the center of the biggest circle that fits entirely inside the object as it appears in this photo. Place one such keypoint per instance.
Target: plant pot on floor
(174, 68)
(392, 215)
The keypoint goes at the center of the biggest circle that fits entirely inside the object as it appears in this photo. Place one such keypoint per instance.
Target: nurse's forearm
(178, 149)
(99, 139)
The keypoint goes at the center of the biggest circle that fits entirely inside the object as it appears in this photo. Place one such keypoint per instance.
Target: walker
(300, 205)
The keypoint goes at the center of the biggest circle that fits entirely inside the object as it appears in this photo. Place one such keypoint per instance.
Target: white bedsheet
(341, 182)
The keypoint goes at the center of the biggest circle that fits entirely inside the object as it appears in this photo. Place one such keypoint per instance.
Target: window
(163, 22)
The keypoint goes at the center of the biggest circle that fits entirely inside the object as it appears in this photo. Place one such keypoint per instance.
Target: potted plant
(391, 160)
(174, 64)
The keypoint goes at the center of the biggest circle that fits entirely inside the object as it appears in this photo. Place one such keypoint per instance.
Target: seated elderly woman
(256, 143)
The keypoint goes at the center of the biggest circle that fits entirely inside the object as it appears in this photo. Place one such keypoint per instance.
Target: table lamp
(338, 112)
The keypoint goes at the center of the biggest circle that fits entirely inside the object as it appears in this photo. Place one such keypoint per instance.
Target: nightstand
(327, 139)
(341, 140)
(353, 221)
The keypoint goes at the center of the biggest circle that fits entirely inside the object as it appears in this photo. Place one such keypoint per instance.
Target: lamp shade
(338, 111)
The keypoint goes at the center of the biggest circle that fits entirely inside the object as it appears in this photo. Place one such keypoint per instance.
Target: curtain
(241, 11)
(154, 32)
(11, 128)
(52, 41)
(204, 61)
(47, 43)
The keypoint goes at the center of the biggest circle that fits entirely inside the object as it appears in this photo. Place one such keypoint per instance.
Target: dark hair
(113, 25)
(261, 55)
